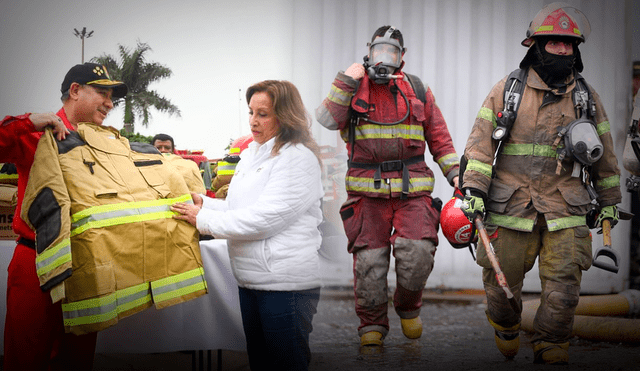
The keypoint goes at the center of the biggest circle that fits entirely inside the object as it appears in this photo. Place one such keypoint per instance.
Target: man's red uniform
(34, 336)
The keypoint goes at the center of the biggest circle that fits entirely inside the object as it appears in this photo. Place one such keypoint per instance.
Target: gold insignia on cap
(98, 71)
(106, 73)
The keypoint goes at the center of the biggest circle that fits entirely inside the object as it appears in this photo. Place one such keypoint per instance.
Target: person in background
(34, 335)
(164, 143)
(534, 188)
(389, 120)
(270, 219)
(226, 167)
(187, 168)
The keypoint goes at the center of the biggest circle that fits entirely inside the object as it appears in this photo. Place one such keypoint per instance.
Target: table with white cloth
(212, 321)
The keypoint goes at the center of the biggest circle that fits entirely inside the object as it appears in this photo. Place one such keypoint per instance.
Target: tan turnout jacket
(525, 182)
(104, 229)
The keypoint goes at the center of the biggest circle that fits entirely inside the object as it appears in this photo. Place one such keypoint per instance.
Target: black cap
(95, 75)
(636, 68)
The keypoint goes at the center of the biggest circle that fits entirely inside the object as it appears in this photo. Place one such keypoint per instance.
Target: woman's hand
(197, 199)
(187, 212)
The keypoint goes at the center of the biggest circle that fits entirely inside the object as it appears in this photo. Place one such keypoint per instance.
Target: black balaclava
(553, 69)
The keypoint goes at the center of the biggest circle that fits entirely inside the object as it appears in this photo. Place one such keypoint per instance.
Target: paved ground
(456, 337)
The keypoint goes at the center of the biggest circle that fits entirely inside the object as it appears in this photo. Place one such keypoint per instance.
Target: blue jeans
(277, 325)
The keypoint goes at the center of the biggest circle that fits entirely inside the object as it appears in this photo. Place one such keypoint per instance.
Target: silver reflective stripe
(106, 308)
(178, 285)
(54, 257)
(372, 131)
(119, 214)
(123, 213)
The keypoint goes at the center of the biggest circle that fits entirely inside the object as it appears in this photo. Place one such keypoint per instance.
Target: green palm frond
(138, 74)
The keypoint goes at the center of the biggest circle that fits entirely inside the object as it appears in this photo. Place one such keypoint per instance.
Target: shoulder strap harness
(420, 92)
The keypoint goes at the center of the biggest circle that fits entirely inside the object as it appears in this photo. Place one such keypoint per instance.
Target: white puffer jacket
(270, 218)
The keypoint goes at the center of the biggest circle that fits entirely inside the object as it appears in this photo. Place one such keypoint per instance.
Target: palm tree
(134, 71)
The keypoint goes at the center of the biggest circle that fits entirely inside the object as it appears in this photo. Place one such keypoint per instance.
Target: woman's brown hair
(294, 122)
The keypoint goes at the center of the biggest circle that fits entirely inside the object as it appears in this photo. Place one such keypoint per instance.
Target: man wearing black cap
(34, 337)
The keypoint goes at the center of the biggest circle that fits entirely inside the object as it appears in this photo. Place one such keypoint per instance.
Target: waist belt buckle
(391, 165)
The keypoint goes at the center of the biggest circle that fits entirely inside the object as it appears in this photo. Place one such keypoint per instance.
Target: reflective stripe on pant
(562, 256)
(370, 240)
(34, 336)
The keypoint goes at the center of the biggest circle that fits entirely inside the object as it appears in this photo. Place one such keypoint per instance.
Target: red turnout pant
(34, 336)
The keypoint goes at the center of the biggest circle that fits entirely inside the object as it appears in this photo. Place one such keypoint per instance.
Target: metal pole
(83, 35)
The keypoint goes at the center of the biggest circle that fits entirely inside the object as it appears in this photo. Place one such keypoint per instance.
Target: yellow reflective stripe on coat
(603, 127)
(339, 96)
(529, 149)
(106, 308)
(234, 151)
(487, 114)
(481, 167)
(523, 224)
(373, 131)
(566, 222)
(511, 222)
(178, 285)
(609, 182)
(446, 162)
(226, 168)
(53, 257)
(123, 213)
(97, 310)
(363, 184)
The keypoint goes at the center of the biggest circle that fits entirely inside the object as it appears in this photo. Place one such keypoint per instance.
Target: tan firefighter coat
(104, 229)
(189, 171)
(525, 182)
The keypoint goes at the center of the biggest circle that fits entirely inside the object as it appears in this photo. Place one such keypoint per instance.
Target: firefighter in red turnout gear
(387, 118)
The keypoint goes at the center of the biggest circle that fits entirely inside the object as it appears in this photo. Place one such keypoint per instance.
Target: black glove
(9, 168)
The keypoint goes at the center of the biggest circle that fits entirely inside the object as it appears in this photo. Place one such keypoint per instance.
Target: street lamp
(83, 35)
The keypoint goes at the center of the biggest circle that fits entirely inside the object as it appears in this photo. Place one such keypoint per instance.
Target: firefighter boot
(551, 353)
(411, 328)
(507, 339)
(371, 339)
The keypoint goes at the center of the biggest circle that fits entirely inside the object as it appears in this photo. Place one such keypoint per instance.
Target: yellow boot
(507, 339)
(371, 338)
(411, 328)
(551, 353)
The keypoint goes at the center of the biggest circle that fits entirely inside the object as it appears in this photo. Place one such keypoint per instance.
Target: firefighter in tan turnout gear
(541, 181)
(388, 118)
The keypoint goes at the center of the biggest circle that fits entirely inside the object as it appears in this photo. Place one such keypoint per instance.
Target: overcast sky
(216, 49)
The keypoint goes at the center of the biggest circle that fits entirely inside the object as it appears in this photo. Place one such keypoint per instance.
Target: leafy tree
(137, 137)
(138, 74)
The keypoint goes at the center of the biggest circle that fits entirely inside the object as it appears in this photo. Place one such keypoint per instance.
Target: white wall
(461, 48)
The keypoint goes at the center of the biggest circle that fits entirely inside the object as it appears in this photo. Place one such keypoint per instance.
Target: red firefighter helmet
(456, 227)
(240, 145)
(558, 19)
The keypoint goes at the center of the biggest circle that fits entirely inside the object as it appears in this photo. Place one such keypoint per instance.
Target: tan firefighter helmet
(558, 19)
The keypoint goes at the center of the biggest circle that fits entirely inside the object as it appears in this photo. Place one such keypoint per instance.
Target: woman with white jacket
(270, 219)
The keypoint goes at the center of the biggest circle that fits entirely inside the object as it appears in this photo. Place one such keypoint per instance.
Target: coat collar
(534, 81)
